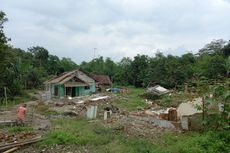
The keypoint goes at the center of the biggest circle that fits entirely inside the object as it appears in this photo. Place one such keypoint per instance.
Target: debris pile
(158, 90)
(10, 147)
(169, 114)
(189, 108)
(79, 106)
(6, 138)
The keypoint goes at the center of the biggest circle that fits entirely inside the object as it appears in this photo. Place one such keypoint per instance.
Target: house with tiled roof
(71, 84)
(102, 81)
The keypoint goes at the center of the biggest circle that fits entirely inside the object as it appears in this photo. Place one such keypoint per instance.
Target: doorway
(55, 90)
(71, 91)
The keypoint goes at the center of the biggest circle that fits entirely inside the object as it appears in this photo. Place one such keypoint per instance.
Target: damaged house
(102, 81)
(71, 84)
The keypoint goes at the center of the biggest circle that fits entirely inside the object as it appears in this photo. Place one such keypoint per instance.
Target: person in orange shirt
(21, 112)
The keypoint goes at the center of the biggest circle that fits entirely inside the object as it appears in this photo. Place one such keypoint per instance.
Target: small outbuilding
(102, 81)
(71, 84)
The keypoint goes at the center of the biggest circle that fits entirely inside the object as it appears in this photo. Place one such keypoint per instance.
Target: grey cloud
(70, 28)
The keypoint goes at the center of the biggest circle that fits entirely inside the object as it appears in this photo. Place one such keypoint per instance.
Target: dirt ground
(56, 149)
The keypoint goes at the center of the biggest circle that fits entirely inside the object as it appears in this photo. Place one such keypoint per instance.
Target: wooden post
(5, 96)
(32, 121)
(186, 88)
(65, 92)
(203, 112)
(111, 84)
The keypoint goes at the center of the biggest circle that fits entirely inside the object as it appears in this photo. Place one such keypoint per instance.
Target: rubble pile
(6, 138)
(141, 128)
(140, 124)
(77, 106)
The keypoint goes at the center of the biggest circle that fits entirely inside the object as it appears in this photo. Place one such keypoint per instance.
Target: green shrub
(50, 113)
(150, 96)
(211, 142)
(58, 137)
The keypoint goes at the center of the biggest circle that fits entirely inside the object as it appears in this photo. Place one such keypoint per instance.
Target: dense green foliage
(29, 69)
(210, 142)
(212, 62)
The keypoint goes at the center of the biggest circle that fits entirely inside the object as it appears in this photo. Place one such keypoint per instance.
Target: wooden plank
(17, 144)
(11, 150)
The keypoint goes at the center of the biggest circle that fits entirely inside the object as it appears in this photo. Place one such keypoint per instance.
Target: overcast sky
(117, 28)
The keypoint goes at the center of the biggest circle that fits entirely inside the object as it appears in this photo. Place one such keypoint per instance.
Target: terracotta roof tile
(101, 79)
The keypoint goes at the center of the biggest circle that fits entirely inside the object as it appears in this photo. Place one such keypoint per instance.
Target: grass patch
(211, 142)
(83, 133)
(59, 137)
(20, 129)
(130, 101)
(77, 132)
(100, 139)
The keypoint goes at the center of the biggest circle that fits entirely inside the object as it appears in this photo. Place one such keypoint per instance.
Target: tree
(3, 19)
(36, 77)
(40, 55)
(123, 74)
(139, 68)
(53, 65)
(109, 67)
(211, 66)
(214, 47)
(228, 66)
(67, 64)
(6, 62)
(226, 50)
(187, 62)
(98, 65)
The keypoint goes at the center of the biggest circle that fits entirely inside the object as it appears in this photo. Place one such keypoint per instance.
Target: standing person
(21, 112)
